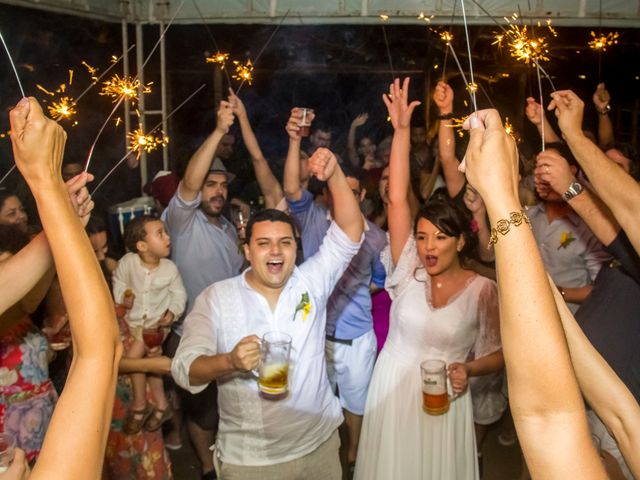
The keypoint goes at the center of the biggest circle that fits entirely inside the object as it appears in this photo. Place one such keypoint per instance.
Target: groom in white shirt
(295, 437)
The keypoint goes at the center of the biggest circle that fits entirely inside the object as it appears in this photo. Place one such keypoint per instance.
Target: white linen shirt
(254, 431)
(155, 290)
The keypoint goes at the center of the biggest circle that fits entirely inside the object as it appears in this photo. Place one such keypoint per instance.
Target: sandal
(157, 418)
(135, 420)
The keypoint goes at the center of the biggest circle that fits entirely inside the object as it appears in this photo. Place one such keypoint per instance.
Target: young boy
(146, 275)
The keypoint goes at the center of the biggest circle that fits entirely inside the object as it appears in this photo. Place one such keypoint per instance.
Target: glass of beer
(273, 371)
(7, 450)
(153, 337)
(305, 121)
(435, 397)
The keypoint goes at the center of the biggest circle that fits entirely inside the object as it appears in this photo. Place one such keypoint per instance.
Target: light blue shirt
(349, 308)
(574, 263)
(204, 253)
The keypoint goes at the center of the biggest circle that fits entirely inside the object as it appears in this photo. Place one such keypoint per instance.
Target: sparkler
(244, 72)
(6, 48)
(219, 58)
(264, 47)
(386, 43)
(601, 42)
(139, 142)
(124, 87)
(472, 91)
(63, 109)
(13, 167)
(150, 132)
(508, 127)
(93, 145)
(447, 37)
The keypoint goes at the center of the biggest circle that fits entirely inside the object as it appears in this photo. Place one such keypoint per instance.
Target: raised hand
(79, 195)
(533, 111)
(553, 170)
(443, 98)
(397, 104)
(491, 161)
(38, 142)
(225, 117)
(237, 107)
(360, 120)
(569, 109)
(473, 201)
(245, 356)
(601, 97)
(322, 164)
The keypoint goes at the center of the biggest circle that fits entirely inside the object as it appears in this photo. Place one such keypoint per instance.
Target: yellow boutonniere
(565, 239)
(304, 305)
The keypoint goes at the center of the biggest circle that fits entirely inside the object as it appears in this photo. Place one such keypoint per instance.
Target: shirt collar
(537, 209)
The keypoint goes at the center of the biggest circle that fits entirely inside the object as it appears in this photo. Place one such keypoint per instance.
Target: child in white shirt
(146, 275)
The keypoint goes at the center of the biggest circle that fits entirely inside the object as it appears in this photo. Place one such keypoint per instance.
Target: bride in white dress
(440, 310)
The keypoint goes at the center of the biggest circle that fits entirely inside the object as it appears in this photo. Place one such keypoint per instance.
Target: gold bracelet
(503, 226)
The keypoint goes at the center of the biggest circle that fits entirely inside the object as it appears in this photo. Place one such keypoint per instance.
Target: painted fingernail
(475, 122)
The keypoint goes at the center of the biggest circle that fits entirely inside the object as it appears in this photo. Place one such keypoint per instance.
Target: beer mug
(273, 369)
(435, 397)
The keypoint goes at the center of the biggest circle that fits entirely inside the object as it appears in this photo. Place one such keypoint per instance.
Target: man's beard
(206, 208)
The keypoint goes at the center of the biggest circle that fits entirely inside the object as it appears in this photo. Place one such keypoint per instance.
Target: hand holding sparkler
(397, 104)
(38, 143)
(443, 98)
(569, 110)
(491, 160)
(533, 111)
(237, 107)
(225, 117)
(553, 170)
(601, 98)
(79, 196)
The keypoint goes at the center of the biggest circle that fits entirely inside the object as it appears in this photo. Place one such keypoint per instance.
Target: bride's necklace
(438, 284)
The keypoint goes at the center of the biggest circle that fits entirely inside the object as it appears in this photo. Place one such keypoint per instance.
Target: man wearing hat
(204, 246)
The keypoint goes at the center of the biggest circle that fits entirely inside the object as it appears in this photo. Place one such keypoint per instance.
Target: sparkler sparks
(600, 42)
(508, 127)
(384, 17)
(219, 58)
(244, 72)
(428, 19)
(125, 87)
(139, 142)
(456, 124)
(63, 109)
(523, 45)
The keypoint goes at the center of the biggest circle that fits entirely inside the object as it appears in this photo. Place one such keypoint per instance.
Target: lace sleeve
(400, 275)
(488, 336)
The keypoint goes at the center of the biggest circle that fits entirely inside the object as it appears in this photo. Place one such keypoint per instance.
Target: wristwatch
(605, 110)
(574, 190)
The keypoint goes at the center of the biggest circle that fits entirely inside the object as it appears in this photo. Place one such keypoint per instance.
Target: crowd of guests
(372, 261)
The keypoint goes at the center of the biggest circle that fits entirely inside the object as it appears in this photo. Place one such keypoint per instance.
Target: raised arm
(602, 102)
(352, 148)
(80, 422)
(200, 162)
(536, 116)
(443, 98)
(601, 387)
(20, 273)
(553, 169)
(269, 185)
(399, 216)
(291, 182)
(324, 165)
(474, 203)
(614, 186)
(546, 403)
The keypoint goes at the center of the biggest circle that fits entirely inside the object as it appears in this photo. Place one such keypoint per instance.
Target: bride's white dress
(398, 440)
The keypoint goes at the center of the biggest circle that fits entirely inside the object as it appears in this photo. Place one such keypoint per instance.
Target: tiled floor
(500, 463)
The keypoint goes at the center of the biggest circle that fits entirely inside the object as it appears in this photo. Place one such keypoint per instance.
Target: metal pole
(163, 97)
(141, 102)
